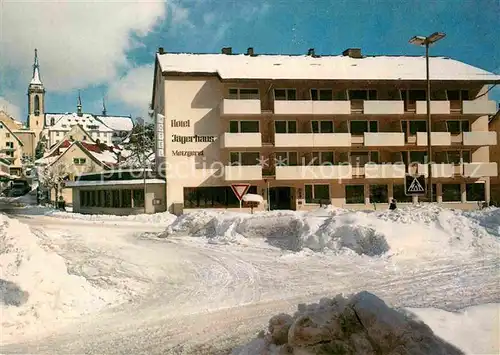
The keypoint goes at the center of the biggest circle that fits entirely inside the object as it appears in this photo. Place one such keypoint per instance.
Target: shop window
(138, 198)
(126, 198)
(355, 194)
(378, 194)
(475, 192)
(317, 193)
(107, 199)
(115, 195)
(212, 197)
(451, 193)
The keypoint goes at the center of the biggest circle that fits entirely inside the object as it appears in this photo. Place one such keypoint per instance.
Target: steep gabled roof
(13, 134)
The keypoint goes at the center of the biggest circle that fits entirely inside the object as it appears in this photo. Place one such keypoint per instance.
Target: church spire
(103, 107)
(35, 80)
(79, 105)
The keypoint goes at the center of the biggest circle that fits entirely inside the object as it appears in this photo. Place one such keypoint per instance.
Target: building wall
(29, 142)
(14, 154)
(9, 121)
(495, 156)
(192, 109)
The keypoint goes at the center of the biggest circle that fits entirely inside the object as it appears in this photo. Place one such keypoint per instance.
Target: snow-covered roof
(36, 78)
(117, 123)
(114, 182)
(65, 121)
(323, 67)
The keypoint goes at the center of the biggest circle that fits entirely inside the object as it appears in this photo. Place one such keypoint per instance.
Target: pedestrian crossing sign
(415, 185)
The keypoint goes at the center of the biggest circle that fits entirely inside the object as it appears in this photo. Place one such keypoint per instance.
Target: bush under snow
(359, 325)
(411, 231)
(35, 285)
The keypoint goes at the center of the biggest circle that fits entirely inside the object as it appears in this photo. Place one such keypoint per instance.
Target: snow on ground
(36, 286)
(408, 232)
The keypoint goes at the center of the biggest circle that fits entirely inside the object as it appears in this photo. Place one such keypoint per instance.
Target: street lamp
(427, 41)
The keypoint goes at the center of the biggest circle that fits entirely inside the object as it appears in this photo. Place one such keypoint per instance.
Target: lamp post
(427, 41)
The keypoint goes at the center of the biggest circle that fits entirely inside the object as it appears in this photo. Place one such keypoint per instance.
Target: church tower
(36, 100)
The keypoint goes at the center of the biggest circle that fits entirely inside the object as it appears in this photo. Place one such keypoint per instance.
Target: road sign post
(415, 185)
(240, 190)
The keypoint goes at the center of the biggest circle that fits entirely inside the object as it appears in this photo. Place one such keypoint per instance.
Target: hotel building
(311, 130)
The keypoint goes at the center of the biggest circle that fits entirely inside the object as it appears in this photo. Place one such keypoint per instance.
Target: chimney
(352, 52)
(161, 50)
(227, 50)
(310, 52)
(250, 51)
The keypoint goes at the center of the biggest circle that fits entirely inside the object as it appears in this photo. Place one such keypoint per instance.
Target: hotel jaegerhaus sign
(184, 139)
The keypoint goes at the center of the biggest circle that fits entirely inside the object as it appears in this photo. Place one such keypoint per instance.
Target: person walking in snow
(392, 205)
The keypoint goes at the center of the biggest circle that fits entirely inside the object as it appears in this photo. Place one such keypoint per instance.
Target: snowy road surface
(183, 295)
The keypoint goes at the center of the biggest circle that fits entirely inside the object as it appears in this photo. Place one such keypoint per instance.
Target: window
(456, 127)
(362, 158)
(438, 95)
(317, 193)
(244, 126)
(399, 194)
(126, 198)
(79, 161)
(115, 196)
(57, 134)
(138, 198)
(415, 95)
(98, 199)
(475, 192)
(414, 127)
(107, 198)
(9, 144)
(378, 194)
(322, 94)
(451, 192)
(362, 94)
(7, 135)
(212, 197)
(244, 94)
(360, 127)
(286, 158)
(244, 158)
(456, 157)
(285, 126)
(322, 126)
(322, 158)
(458, 95)
(285, 94)
(84, 138)
(37, 105)
(1, 126)
(355, 194)
(418, 157)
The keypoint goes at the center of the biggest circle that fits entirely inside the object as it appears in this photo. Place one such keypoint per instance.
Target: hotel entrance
(280, 198)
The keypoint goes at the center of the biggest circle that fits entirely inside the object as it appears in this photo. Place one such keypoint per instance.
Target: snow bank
(36, 287)
(359, 324)
(408, 232)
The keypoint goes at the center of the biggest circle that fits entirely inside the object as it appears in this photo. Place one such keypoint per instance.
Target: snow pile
(359, 324)
(409, 232)
(156, 218)
(488, 218)
(35, 285)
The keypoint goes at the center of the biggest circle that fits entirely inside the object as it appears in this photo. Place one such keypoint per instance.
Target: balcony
(240, 140)
(477, 170)
(479, 138)
(313, 172)
(437, 138)
(242, 172)
(384, 171)
(437, 107)
(384, 139)
(479, 107)
(380, 107)
(240, 107)
(312, 140)
(440, 170)
(310, 107)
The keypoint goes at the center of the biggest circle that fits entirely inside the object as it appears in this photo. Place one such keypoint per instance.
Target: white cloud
(134, 89)
(10, 108)
(80, 43)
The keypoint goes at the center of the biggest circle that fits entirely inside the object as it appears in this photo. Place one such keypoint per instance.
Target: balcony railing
(479, 107)
(312, 140)
(242, 172)
(437, 138)
(240, 107)
(381, 107)
(477, 170)
(240, 140)
(479, 138)
(384, 171)
(384, 139)
(310, 107)
(313, 172)
(437, 107)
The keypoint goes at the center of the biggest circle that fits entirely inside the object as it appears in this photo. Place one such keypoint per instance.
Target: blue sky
(279, 26)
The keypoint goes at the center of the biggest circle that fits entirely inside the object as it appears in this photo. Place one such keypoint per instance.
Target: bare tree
(52, 177)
